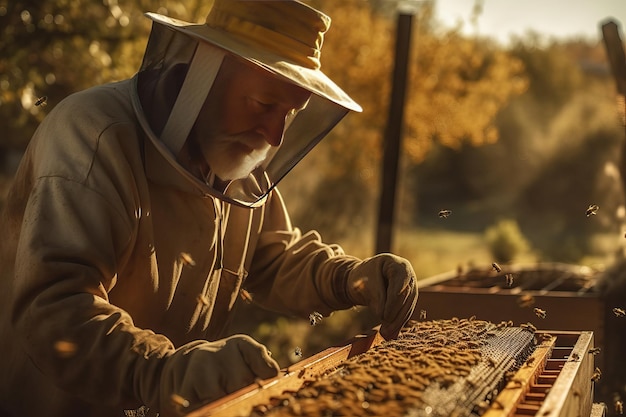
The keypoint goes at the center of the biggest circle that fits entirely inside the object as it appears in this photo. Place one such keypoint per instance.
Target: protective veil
(175, 78)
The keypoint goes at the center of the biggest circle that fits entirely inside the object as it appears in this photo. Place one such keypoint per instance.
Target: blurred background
(512, 122)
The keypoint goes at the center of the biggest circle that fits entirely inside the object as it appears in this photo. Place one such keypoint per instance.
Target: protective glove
(387, 284)
(202, 371)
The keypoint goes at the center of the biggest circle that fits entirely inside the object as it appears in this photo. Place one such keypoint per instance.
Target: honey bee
(594, 351)
(526, 300)
(509, 280)
(187, 259)
(65, 348)
(179, 401)
(619, 312)
(575, 357)
(592, 210)
(528, 326)
(245, 296)
(496, 267)
(619, 407)
(444, 213)
(359, 284)
(596, 375)
(540, 313)
(422, 314)
(298, 352)
(41, 101)
(530, 361)
(315, 318)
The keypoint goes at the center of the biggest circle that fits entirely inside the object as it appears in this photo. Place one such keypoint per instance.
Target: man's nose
(273, 128)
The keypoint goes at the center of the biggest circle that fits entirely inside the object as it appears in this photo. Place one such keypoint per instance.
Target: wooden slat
(515, 390)
(572, 392)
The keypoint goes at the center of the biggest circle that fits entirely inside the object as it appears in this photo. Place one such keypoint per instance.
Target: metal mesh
(435, 368)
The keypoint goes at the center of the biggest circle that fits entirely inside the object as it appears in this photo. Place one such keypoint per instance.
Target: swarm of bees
(540, 313)
(592, 210)
(619, 312)
(315, 318)
(443, 214)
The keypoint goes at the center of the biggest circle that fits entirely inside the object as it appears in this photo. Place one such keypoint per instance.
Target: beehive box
(447, 368)
(564, 292)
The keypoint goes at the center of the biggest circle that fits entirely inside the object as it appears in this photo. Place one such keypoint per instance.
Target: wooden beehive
(554, 381)
(563, 291)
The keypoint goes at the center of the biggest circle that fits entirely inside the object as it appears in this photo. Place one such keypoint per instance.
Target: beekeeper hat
(283, 36)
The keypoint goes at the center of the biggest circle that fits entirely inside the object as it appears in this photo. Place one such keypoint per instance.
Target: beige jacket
(110, 260)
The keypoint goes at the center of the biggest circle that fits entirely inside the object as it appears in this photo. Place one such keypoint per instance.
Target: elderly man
(142, 208)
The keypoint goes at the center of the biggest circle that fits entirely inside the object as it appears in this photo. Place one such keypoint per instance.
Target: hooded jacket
(111, 260)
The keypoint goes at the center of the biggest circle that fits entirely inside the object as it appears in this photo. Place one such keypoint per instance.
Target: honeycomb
(434, 368)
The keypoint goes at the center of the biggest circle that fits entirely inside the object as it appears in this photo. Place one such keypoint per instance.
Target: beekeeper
(141, 208)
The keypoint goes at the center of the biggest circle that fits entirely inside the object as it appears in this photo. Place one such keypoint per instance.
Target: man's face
(245, 114)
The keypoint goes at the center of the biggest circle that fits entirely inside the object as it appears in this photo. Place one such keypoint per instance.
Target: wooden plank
(572, 392)
(615, 52)
(241, 402)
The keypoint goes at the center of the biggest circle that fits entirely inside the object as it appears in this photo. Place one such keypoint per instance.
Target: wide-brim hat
(282, 36)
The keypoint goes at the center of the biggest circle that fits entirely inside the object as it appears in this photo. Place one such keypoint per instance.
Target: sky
(552, 18)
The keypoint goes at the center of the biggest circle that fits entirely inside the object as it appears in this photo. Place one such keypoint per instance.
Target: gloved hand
(387, 284)
(202, 371)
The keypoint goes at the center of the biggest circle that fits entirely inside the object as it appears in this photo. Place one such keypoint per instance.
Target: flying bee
(65, 348)
(298, 352)
(540, 313)
(41, 101)
(444, 213)
(422, 314)
(179, 401)
(245, 296)
(596, 375)
(619, 407)
(496, 267)
(526, 300)
(509, 279)
(594, 351)
(619, 312)
(359, 284)
(592, 210)
(315, 318)
(187, 259)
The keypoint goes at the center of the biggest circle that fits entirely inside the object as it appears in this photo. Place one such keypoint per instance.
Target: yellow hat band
(279, 33)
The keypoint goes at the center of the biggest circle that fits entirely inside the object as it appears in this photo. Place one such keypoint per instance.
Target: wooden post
(393, 134)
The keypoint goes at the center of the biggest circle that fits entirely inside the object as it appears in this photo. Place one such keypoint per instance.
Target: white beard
(234, 157)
